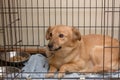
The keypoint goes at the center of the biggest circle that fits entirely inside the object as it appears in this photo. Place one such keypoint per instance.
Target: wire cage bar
(23, 24)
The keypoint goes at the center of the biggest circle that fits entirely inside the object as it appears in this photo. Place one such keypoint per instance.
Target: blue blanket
(37, 66)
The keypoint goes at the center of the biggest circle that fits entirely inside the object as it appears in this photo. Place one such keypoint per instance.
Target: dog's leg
(106, 61)
(51, 72)
(70, 67)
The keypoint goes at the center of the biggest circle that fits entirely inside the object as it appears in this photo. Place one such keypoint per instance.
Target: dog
(69, 51)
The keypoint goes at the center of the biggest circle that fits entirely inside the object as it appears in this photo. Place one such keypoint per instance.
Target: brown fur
(80, 53)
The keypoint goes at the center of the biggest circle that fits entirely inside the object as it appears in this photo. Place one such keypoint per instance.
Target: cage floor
(37, 66)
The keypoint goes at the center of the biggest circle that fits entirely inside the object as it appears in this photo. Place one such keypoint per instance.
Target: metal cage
(23, 24)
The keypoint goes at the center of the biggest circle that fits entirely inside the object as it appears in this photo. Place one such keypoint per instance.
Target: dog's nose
(50, 46)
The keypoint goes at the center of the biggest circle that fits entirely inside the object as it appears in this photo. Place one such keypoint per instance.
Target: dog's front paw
(61, 75)
(49, 75)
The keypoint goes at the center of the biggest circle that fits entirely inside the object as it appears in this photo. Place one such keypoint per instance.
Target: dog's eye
(50, 34)
(61, 35)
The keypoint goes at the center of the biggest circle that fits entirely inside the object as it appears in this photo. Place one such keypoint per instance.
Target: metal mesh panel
(23, 23)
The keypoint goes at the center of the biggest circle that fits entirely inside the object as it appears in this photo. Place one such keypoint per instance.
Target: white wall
(52, 15)
(1, 39)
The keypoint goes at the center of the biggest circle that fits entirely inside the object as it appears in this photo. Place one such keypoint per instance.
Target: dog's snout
(50, 46)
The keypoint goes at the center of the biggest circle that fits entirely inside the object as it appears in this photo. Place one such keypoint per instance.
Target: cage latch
(82, 77)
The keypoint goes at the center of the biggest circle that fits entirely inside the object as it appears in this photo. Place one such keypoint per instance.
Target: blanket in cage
(37, 66)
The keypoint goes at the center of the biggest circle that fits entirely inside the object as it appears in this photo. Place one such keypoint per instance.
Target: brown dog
(68, 51)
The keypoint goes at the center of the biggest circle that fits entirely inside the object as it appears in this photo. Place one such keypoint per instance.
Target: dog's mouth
(56, 49)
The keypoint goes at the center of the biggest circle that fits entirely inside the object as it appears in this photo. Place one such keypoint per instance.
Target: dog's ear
(48, 33)
(76, 34)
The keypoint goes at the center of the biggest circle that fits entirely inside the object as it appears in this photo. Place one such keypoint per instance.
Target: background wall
(27, 20)
(1, 35)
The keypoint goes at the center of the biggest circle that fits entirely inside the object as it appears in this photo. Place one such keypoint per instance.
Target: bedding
(37, 66)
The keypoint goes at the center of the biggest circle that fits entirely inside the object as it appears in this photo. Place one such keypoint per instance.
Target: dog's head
(61, 36)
